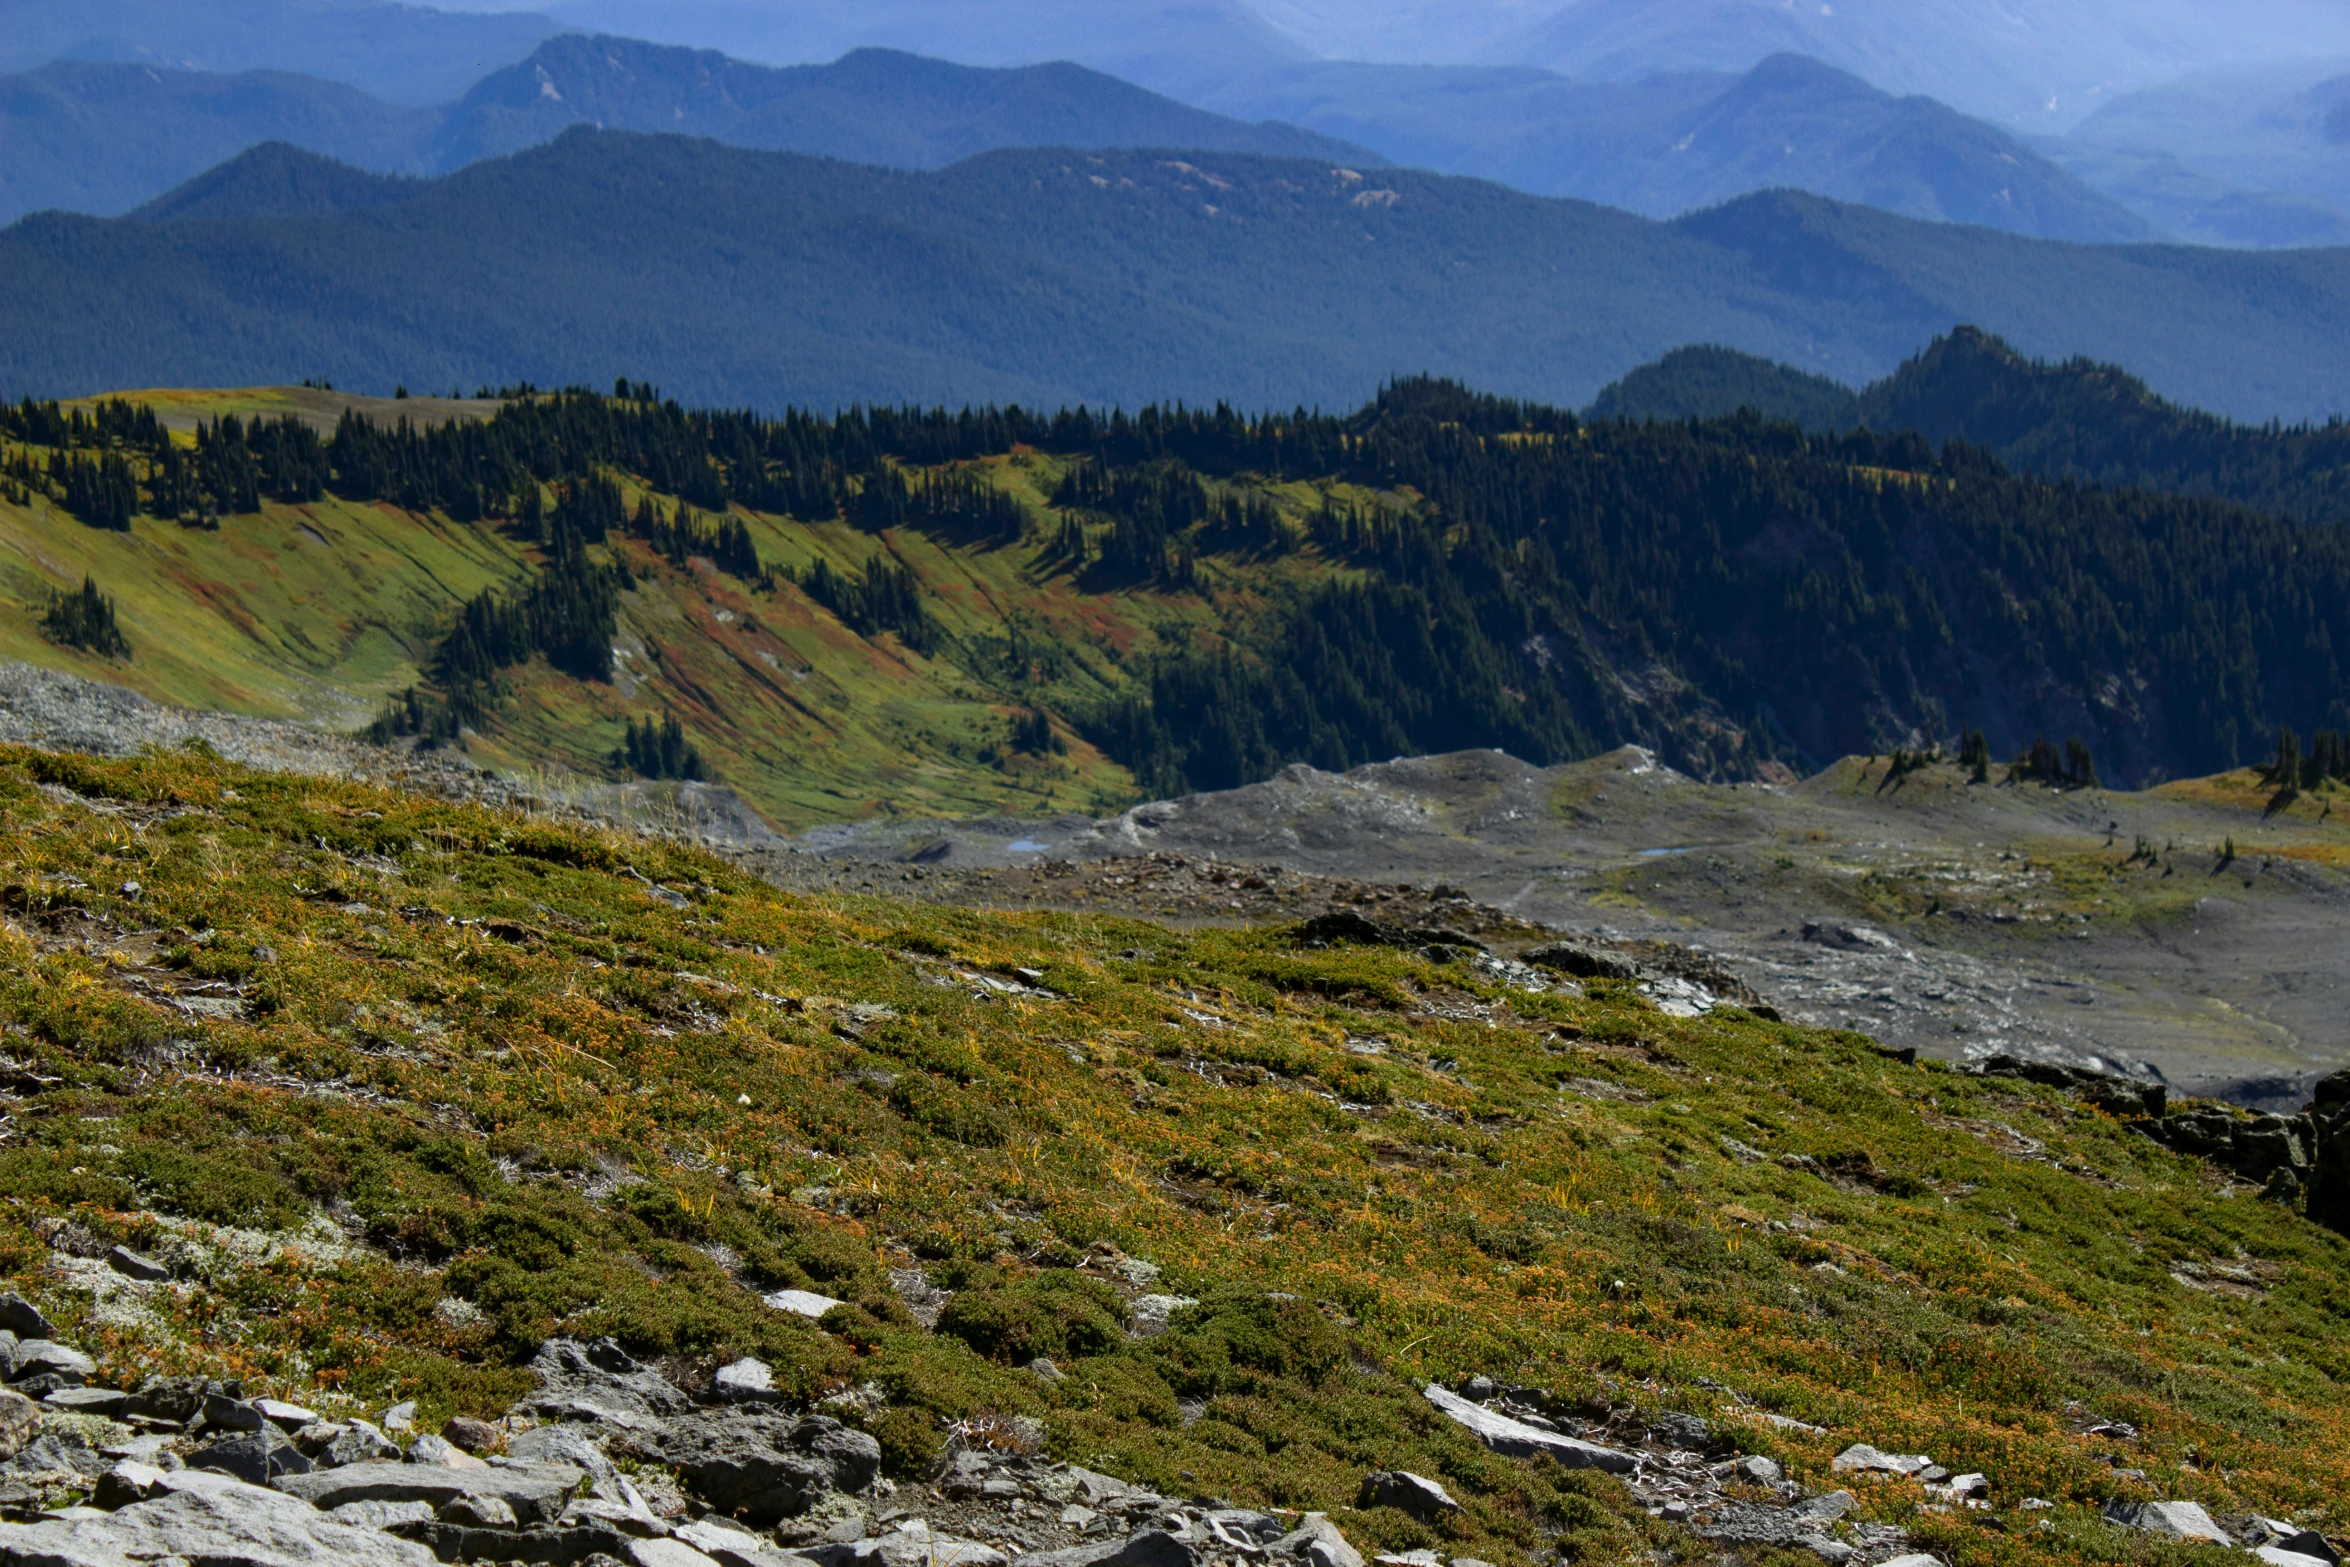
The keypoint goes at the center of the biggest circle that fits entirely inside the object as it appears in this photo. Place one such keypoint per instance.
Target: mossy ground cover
(528, 1080)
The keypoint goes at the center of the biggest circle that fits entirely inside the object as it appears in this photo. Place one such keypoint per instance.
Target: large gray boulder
(765, 1466)
(37, 1357)
(599, 1381)
(2179, 1520)
(1516, 1439)
(1417, 1495)
(212, 1519)
(22, 1318)
(1317, 1542)
(536, 1492)
(256, 1457)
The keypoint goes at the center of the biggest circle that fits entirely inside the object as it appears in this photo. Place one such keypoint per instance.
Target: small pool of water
(1026, 846)
(1658, 854)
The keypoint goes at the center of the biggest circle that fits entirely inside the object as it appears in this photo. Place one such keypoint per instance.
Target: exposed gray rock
(1583, 962)
(38, 1357)
(223, 1413)
(131, 1265)
(1318, 1541)
(2277, 1533)
(2108, 1091)
(286, 1417)
(443, 1453)
(127, 1483)
(55, 1451)
(211, 1519)
(802, 1303)
(1516, 1439)
(1685, 1432)
(571, 1443)
(1823, 1509)
(358, 1443)
(544, 1544)
(1415, 1494)
(599, 1381)
(1758, 1470)
(22, 1318)
(478, 1512)
(664, 1553)
(106, 1401)
(475, 1436)
(1864, 1459)
(744, 1381)
(382, 1515)
(2278, 1556)
(400, 1417)
(913, 1544)
(19, 1417)
(256, 1457)
(766, 1466)
(1748, 1523)
(536, 1492)
(2179, 1520)
(170, 1398)
(730, 1546)
(2329, 1162)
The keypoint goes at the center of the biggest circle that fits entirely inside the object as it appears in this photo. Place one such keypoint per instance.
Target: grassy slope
(579, 1109)
(321, 610)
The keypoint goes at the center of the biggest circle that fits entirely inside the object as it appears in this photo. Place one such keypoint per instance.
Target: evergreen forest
(1438, 570)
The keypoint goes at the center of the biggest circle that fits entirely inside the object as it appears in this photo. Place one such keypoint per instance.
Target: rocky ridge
(610, 1463)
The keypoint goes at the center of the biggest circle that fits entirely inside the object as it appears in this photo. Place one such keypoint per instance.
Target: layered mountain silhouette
(405, 54)
(104, 138)
(1047, 276)
(1667, 144)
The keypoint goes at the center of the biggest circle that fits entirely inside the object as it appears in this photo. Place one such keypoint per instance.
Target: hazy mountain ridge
(407, 54)
(1102, 277)
(107, 138)
(1668, 144)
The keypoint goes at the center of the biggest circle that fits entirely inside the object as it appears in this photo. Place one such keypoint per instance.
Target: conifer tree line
(886, 596)
(659, 750)
(1728, 592)
(85, 620)
(2328, 761)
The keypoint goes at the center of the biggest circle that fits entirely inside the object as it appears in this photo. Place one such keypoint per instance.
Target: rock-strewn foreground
(609, 1462)
(434, 1176)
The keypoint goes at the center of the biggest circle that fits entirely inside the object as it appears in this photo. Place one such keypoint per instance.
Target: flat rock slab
(1149, 1548)
(1868, 1460)
(211, 1519)
(2278, 1556)
(536, 1492)
(600, 1382)
(804, 1303)
(2180, 1520)
(730, 1546)
(1516, 1439)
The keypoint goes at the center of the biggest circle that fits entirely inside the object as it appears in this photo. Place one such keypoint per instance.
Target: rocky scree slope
(385, 1108)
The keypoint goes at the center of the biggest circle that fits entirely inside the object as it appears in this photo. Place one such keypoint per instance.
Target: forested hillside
(768, 279)
(2101, 424)
(1201, 597)
(2076, 420)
